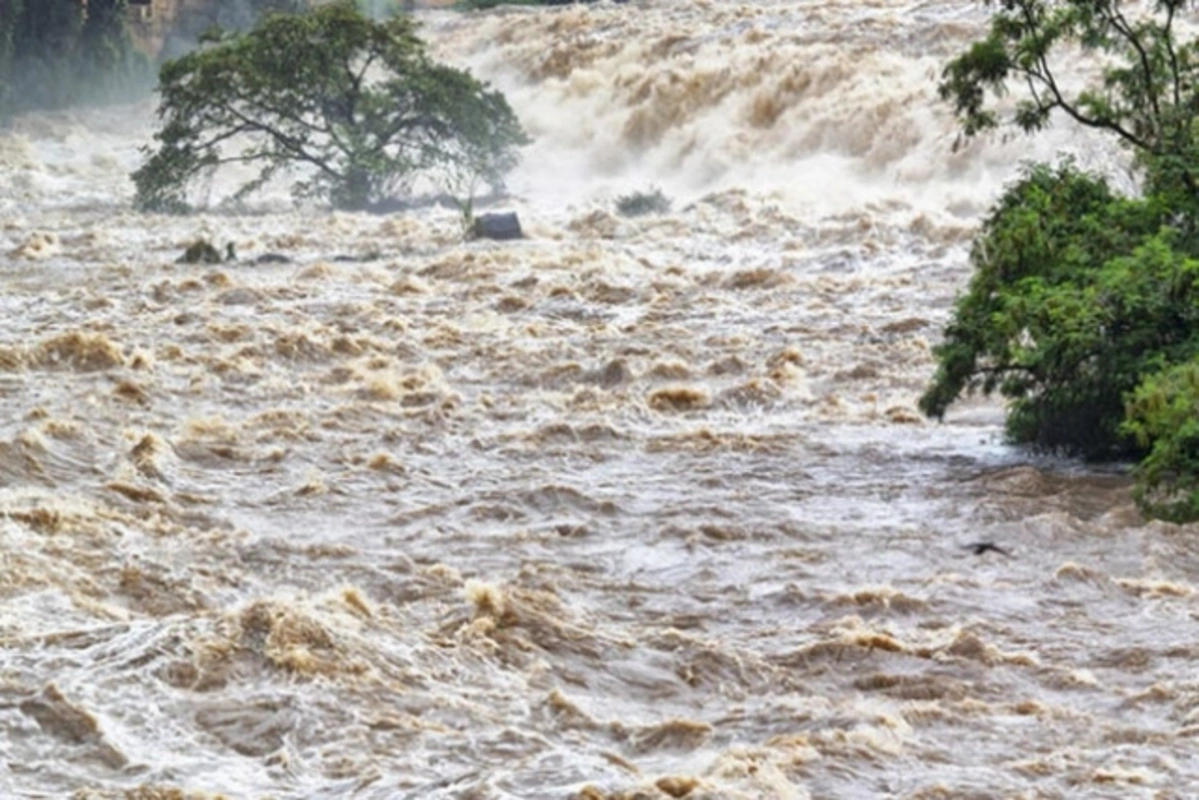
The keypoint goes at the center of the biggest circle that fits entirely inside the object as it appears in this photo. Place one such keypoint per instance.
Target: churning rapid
(634, 507)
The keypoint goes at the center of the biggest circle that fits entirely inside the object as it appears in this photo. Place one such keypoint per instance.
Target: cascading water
(632, 505)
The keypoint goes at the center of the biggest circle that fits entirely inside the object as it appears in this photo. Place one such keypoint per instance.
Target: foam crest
(829, 107)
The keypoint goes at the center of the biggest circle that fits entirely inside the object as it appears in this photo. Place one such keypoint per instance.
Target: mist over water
(826, 107)
(630, 506)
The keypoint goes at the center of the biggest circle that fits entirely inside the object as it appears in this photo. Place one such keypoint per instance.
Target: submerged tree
(1084, 306)
(355, 106)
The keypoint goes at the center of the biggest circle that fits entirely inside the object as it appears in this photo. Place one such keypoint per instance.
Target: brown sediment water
(633, 507)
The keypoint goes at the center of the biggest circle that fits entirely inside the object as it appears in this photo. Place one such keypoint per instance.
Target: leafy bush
(1083, 308)
(1075, 296)
(355, 104)
(1163, 415)
(637, 204)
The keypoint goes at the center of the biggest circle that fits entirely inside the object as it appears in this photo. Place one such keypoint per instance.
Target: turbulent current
(633, 507)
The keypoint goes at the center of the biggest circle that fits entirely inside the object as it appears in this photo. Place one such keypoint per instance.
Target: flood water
(634, 507)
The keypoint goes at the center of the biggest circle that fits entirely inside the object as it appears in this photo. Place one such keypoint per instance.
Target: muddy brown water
(630, 508)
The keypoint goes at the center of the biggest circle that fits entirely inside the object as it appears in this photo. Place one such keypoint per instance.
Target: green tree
(1083, 309)
(355, 106)
(1077, 294)
(1163, 415)
(1147, 96)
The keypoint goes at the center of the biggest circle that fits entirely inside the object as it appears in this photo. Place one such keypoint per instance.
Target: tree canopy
(1083, 309)
(1147, 95)
(356, 109)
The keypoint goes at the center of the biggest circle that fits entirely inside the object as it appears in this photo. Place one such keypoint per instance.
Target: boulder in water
(203, 251)
(500, 226)
(272, 258)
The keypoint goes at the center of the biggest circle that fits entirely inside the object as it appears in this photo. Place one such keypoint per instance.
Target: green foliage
(1076, 295)
(1163, 416)
(356, 106)
(1148, 95)
(1083, 309)
(636, 204)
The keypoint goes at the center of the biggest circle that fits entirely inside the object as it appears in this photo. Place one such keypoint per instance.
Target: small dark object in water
(501, 226)
(372, 255)
(203, 251)
(200, 252)
(272, 258)
(978, 548)
(639, 204)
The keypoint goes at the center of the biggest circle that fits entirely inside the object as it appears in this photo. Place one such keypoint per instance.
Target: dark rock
(361, 258)
(200, 252)
(272, 258)
(978, 548)
(500, 226)
(241, 296)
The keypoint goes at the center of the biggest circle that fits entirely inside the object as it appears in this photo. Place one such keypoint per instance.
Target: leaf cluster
(355, 106)
(1147, 90)
(1077, 295)
(1163, 416)
(1083, 308)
